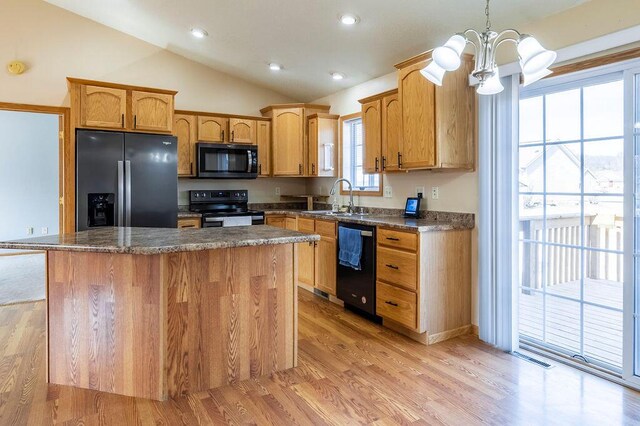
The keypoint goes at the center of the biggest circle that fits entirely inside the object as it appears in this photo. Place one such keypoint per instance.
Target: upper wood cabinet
(371, 133)
(213, 129)
(184, 129)
(101, 105)
(438, 123)
(152, 112)
(242, 131)
(263, 140)
(289, 137)
(322, 146)
(382, 132)
(391, 131)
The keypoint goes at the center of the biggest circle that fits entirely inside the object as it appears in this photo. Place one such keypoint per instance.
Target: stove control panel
(207, 196)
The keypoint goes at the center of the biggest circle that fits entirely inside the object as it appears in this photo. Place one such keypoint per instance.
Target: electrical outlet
(29, 230)
(435, 192)
(388, 191)
(419, 191)
(45, 230)
(277, 190)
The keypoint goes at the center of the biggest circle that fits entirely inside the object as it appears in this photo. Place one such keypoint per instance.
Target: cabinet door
(291, 224)
(391, 132)
(326, 265)
(288, 137)
(152, 111)
(312, 163)
(189, 223)
(277, 221)
(184, 129)
(417, 101)
(242, 131)
(263, 139)
(307, 263)
(103, 107)
(213, 129)
(371, 132)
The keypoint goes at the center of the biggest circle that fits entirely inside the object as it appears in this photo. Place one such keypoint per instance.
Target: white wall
(28, 173)
(56, 43)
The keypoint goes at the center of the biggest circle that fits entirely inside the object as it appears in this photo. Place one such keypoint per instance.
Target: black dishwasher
(357, 288)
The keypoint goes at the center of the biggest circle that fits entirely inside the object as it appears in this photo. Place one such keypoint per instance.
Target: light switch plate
(388, 191)
(277, 190)
(29, 230)
(419, 190)
(435, 192)
(45, 230)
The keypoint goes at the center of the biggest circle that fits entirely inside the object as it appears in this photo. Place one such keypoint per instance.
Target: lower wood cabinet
(317, 261)
(277, 221)
(189, 222)
(423, 286)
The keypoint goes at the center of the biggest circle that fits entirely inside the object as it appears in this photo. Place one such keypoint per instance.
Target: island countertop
(160, 240)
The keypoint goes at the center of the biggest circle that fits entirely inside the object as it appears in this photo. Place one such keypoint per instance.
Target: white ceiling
(305, 35)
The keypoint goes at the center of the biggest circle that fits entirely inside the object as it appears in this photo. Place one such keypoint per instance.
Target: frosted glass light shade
(534, 57)
(532, 78)
(448, 56)
(434, 73)
(492, 85)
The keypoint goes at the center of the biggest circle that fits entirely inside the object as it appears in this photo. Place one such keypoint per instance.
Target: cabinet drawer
(397, 267)
(398, 239)
(326, 228)
(189, 223)
(306, 225)
(396, 304)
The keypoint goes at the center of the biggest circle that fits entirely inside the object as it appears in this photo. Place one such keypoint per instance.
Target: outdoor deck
(602, 327)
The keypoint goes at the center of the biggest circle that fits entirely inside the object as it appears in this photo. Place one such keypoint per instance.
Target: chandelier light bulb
(534, 57)
(433, 72)
(532, 78)
(448, 56)
(492, 85)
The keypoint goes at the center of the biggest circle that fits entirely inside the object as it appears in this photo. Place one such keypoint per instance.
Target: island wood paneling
(106, 322)
(230, 316)
(153, 326)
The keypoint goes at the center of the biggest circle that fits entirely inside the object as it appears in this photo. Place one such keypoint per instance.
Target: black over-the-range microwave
(226, 161)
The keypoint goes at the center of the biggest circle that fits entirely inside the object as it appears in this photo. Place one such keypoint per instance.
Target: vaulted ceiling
(305, 36)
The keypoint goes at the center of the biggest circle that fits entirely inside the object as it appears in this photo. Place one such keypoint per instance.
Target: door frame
(66, 178)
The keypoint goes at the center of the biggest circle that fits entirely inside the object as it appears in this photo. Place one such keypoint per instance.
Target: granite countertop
(187, 214)
(442, 221)
(161, 240)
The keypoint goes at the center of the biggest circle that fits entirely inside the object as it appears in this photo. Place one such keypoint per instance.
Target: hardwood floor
(350, 372)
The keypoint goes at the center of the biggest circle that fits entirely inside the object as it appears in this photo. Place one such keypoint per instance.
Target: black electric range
(224, 208)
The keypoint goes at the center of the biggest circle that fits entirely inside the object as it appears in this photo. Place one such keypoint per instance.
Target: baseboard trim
(449, 334)
(418, 337)
(475, 330)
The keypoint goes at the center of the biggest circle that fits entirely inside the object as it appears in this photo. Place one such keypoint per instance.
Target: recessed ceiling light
(275, 67)
(199, 32)
(337, 76)
(349, 19)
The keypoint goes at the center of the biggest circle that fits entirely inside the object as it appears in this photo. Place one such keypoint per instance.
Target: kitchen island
(157, 313)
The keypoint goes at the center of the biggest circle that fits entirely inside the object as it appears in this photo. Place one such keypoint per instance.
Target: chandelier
(534, 59)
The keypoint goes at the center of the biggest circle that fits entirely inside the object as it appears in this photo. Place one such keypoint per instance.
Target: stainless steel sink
(336, 214)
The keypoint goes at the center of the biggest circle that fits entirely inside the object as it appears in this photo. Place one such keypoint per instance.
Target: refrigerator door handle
(127, 180)
(120, 193)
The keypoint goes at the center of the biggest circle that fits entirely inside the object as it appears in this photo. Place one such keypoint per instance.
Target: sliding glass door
(571, 214)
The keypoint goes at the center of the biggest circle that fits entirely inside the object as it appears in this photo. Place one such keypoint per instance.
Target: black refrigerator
(126, 179)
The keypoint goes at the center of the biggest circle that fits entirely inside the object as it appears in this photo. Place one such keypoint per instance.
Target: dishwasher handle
(362, 233)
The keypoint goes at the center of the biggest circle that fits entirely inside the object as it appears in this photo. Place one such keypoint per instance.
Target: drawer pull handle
(388, 302)
(391, 266)
(354, 295)
(393, 239)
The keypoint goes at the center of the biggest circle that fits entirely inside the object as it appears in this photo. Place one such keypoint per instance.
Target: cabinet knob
(135, 121)
(222, 136)
(377, 164)
(399, 160)
(384, 163)
(313, 168)
(300, 169)
(233, 135)
(123, 121)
